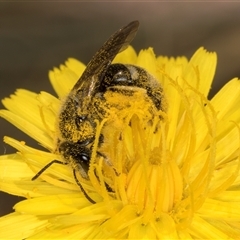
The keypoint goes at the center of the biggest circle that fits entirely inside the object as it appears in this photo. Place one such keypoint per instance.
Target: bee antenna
(46, 167)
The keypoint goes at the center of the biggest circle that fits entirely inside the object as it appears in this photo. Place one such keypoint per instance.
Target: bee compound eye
(84, 157)
(84, 160)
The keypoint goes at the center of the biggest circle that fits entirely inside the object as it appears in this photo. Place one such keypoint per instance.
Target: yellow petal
(227, 99)
(13, 167)
(52, 205)
(202, 229)
(200, 70)
(63, 80)
(76, 66)
(147, 60)
(128, 56)
(32, 189)
(227, 211)
(29, 128)
(18, 226)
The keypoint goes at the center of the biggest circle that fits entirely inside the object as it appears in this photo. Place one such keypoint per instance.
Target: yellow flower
(176, 178)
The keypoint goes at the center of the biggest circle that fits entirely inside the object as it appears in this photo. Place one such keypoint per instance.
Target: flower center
(155, 186)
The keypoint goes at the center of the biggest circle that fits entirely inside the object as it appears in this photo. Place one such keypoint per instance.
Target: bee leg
(46, 167)
(74, 174)
(109, 189)
(82, 189)
(78, 156)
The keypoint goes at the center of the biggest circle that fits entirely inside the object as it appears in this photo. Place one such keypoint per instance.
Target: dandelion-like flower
(174, 178)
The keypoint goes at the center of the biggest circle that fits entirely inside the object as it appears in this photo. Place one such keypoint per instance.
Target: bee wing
(90, 80)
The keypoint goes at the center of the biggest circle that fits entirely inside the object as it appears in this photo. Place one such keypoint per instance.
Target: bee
(76, 121)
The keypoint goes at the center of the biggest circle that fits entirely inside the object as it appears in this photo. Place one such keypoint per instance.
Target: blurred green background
(36, 36)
